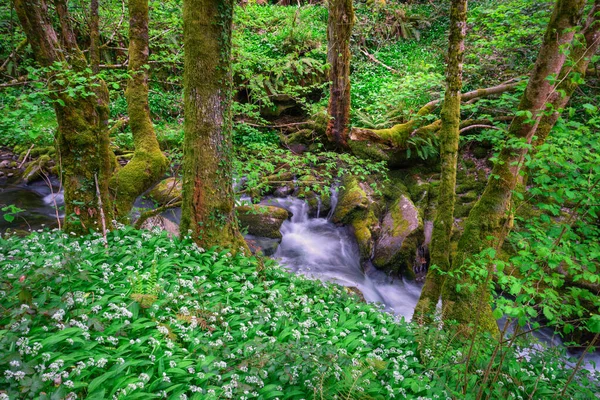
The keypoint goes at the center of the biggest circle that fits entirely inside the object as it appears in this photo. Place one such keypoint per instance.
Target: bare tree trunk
(208, 202)
(339, 30)
(490, 219)
(148, 163)
(449, 138)
(83, 144)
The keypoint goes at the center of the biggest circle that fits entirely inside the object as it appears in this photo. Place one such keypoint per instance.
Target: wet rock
(5, 164)
(167, 191)
(10, 175)
(353, 199)
(284, 191)
(357, 207)
(266, 246)
(263, 221)
(36, 169)
(401, 234)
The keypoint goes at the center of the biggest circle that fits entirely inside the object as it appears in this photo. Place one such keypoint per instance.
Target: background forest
(126, 307)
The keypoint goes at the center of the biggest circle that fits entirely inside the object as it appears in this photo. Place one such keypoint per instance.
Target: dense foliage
(145, 316)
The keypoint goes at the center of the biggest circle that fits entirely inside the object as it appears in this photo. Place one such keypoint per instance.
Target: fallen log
(398, 135)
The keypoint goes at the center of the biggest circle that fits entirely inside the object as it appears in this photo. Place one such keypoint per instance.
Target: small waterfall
(319, 249)
(333, 200)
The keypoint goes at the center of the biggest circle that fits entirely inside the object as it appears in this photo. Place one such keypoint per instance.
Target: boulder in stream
(400, 236)
(263, 221)
(166, 191)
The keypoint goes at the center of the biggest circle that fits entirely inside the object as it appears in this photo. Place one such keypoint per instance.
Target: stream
(313, 247)
(318, 249)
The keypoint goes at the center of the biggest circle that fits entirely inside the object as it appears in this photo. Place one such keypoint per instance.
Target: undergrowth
(145, 316)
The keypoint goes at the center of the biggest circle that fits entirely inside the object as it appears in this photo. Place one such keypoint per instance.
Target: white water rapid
(318, 249)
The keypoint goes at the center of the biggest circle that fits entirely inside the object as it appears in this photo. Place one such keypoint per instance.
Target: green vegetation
(144, 316)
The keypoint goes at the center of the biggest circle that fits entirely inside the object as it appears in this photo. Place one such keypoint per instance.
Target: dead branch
(376, 61)
(153, 213)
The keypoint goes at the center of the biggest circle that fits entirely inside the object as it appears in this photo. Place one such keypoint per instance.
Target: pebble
(10, 175)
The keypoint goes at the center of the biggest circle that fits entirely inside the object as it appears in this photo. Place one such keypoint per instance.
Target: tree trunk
(579, 59)
(339, 30)
(207, 201)
(148, 163)
(490, 218)
(94, 36)
(83, 144)
(449, 138)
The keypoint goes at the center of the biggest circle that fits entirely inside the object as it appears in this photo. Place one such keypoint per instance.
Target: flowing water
(318, 249)
(314, 247)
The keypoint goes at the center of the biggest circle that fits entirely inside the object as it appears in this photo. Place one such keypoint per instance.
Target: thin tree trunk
(490, 218)
(148, 163)
(83, 144)
(449, 138)
(339, 30)
(94, 36)
(207, 201)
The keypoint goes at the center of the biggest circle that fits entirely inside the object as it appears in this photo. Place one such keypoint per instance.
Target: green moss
(166, 191)
(368, 150)
(363, 226)
(352, 198)
(263, 221)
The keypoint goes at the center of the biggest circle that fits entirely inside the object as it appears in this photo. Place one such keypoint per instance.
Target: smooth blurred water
(319, 249)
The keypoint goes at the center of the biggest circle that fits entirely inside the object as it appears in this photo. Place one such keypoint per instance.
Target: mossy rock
(262, 221)
(468, 197)
(401, 234)
(366, 228)
(303, 136)
(352, 199)
(368, 150)
(166, 191)
(318, 204)
(40, 151)
(36, 169)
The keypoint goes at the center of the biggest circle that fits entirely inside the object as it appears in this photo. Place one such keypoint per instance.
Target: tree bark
(339, 30)
(83, 144)
(94, 36)
(490, 218)
(148, 163)
(579, 58)
(449, 138)
(207, 200)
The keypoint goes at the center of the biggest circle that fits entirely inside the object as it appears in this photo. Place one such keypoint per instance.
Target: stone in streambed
(166, 191)
(400, 235)
(263, 221)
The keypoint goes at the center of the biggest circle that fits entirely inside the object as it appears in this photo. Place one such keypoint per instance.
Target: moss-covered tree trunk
(82, 138)
(208, 202)
(449, 137)
(94, 36)
(339, 30)
(148, 163)
(490, 218)
(572, 72)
